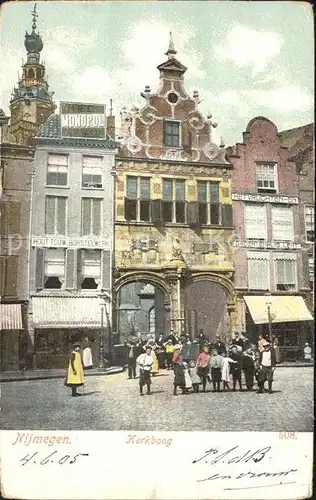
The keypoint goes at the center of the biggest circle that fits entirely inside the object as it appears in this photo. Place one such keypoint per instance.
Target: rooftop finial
(34, 16)
(171, 50)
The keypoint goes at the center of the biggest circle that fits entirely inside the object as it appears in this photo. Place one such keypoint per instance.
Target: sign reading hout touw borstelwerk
(83, 120)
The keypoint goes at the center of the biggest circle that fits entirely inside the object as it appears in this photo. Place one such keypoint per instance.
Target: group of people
(212, 363)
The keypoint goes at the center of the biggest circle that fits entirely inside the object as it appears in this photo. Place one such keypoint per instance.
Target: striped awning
(283, 309)
(10, 317)
(66, 312)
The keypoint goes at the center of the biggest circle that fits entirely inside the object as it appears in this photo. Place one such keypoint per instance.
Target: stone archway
(141, 306)
(209, 305)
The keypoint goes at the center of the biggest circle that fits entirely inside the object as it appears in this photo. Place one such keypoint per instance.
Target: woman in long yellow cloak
(75, 375)
(155, 368)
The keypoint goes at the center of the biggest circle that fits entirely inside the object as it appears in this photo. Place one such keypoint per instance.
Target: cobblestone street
(113, 403)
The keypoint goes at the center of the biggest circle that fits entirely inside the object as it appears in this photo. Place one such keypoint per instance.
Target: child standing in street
(196, 381)
(216, 364)
(145, 362)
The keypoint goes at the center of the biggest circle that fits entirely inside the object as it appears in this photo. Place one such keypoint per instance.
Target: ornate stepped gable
(143, 130)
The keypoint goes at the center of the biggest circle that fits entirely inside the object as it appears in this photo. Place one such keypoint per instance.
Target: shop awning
(283, 309)
(10, 317)
(66, 312)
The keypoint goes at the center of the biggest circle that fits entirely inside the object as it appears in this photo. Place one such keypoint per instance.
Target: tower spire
(34, 16)
(171, 50)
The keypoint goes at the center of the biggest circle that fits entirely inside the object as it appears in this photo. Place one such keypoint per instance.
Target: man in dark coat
(238, 341)
(267, 362)
(236, 367)
(248, 366)
(219, 345)
(135, 349)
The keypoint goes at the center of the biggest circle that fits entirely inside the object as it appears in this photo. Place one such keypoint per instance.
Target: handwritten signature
(52, 458)
(232, 456)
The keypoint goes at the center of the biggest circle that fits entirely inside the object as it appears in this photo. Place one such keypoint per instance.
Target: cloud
(247, 47)
(143, 49)
(286, 99)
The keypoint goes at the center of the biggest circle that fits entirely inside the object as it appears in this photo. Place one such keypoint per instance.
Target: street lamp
(268, 304)
(104, 298)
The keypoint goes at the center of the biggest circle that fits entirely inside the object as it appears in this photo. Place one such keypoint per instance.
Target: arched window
(31, 73)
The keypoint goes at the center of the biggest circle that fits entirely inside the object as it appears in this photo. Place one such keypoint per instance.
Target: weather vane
(34, 16)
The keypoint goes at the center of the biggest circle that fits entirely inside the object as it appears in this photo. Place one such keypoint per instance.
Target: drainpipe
(31, 347)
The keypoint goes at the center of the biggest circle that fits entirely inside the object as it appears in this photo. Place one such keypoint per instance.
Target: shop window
(208, 200)
(258, 270)
(91, 218)
(137, 199)
(285, 272)
(173, 200)
(255, 220)
(92, 172)
(54, 268)
(171, 134)
(310, 223)
(55, 215)
(282, 224)
(267, 177)
(52, 342)
(57, 170)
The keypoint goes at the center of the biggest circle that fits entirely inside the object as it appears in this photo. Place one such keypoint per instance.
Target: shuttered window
(282, 224)
(255, 221)
(285, 271)
(310, 223)
(258, 270)
(92, 172)
(57, 170)
(208, 200)
(91, 221)
(174, 204)
(8, 276)
(137, 199)
(10, 217)
(55, 215)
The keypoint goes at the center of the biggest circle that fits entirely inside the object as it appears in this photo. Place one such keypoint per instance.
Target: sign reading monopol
(83, 120)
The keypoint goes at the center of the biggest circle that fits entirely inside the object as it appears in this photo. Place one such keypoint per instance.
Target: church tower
(31, 102)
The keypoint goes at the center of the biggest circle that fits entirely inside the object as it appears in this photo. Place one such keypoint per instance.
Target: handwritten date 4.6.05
(52, 458)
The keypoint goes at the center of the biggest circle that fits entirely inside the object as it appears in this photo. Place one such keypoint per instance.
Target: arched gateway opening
(142, 310)
(206, 309)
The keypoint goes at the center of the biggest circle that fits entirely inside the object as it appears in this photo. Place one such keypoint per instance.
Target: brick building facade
(271, 277)
(173, 230)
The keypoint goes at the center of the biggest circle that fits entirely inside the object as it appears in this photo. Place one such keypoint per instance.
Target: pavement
(11, 376)
(19, 376)
(114, 403)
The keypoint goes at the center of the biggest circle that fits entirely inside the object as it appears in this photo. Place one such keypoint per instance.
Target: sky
(246, 59)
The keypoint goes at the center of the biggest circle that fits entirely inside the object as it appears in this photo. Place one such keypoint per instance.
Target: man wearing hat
(267, 362)
(219, 345)
(145, 362)
(75, 374)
